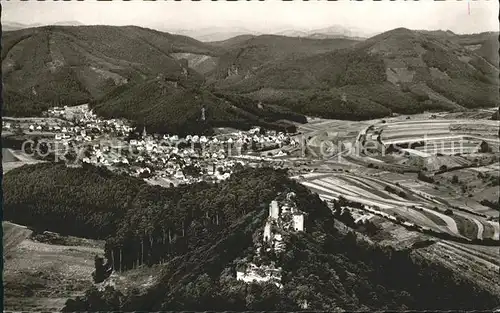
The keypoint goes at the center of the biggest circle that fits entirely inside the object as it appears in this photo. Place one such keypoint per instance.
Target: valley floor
(42, 275)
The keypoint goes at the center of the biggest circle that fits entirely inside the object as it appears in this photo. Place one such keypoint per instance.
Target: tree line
(141, 224)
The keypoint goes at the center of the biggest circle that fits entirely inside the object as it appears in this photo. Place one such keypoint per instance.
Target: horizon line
(251, 31)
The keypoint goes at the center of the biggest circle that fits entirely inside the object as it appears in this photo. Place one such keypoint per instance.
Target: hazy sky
(269, 15)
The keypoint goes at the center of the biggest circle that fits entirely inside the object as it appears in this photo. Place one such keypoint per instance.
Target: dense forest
(199, 234)
(177, 108)
(322, 267)
(141, 223)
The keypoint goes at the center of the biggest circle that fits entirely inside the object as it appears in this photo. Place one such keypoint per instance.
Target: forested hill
(164, 106)
(69, 65)
(136, 73)
(401, 70)
(197, 235)
(163, 80)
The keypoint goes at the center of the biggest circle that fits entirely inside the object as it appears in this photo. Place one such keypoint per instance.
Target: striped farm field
(496, 230)
(371, 192)
(493, 168)
(449, 150)
(405, 200)
(466, 227)
(438, 130)
(413, 129)
(489, 231)
(414, 133)
(434, 218)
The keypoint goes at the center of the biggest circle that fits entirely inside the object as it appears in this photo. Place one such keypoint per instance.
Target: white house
(267, 232)
(298, 222)
(254, 130)
(274, 209)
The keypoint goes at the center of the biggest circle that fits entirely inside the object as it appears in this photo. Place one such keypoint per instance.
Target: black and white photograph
(331, 156)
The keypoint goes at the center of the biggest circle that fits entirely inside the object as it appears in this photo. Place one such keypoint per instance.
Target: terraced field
(414, 130)
(450, 136)
(450, 146)
(397, 195)
(476, 184)
(479, 262)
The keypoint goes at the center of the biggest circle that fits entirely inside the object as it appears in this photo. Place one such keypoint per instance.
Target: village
(76, 135)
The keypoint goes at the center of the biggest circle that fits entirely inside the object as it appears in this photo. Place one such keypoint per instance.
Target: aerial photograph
(250, 156)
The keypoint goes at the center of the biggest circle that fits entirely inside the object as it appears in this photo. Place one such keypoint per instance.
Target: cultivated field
(411, 203)
(479, 263)
(445, 136)
(42, 276)
(8, 156)
(13, 159)
(387, 184)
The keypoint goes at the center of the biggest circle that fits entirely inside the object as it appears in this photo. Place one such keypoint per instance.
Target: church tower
(203, 113)
(144, 133)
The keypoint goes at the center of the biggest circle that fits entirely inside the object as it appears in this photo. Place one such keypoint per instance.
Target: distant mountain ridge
(150, 77)
(214, 34)
(69, 23)
(335, 31)
(226, 33)
(244, 80)
(10, 26)
(400, 71)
